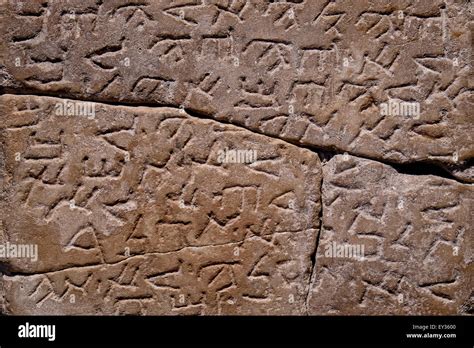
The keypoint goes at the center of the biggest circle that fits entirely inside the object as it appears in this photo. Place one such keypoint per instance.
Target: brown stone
(164, 157)
(133, 206)
(417, 237)
(314, 72)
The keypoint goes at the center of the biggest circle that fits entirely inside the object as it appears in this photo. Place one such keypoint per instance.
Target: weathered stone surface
(133, 212)
(136, 208)
(417, 238)
(315, 72)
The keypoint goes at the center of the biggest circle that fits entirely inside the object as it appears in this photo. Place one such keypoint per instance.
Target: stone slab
(417, 239)
(318, 73)
(140, 208)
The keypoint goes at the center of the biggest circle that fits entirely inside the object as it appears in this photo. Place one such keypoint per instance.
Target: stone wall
(236, 157)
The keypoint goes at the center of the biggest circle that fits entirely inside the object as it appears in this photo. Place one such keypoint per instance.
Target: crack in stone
(316, 247)
(420, 167)
(325, 154)
(5, 269)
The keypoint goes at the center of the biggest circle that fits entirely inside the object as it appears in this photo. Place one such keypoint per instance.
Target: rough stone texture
(417, 233)
(134, 213)
(314, 72)
(133, 208)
